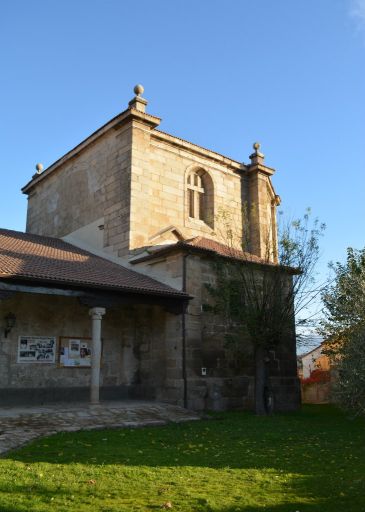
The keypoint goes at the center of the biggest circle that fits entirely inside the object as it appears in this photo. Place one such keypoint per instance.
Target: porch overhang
(95, 297)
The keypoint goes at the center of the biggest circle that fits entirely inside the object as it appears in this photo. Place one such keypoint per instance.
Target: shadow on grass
(303, 442)
(317, 454)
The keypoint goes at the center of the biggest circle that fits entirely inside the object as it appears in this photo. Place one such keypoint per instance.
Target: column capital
(97, 313)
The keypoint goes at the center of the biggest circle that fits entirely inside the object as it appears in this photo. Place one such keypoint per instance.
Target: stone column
(96, 316)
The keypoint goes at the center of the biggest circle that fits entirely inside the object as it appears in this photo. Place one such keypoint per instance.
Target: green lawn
(308, 461)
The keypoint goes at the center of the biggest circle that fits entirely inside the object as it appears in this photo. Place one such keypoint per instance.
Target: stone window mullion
(200, 197)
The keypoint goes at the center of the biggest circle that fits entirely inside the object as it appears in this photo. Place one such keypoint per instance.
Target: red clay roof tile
(46, 259)
(206, 245)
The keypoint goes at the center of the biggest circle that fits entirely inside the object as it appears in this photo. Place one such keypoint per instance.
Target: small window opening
(200, 197)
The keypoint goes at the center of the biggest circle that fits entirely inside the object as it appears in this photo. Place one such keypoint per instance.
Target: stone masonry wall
(225, 384)
(95, 184)
(229, 381)
(158, 194)
(133, 357)
(132, 183)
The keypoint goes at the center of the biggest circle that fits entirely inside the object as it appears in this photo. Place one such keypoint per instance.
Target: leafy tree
(258, 298)
(344, 329)
(349, 390)
(344, 299)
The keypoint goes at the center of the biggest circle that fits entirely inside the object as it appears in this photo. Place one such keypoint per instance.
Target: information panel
(36, 349)
(75, 352)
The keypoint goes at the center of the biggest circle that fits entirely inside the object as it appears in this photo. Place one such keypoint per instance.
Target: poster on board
(36, 349)
(75, 352)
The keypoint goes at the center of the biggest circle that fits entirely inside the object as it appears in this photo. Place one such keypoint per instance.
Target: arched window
(200, 202)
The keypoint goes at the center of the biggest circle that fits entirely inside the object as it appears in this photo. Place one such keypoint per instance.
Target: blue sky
(222, 74)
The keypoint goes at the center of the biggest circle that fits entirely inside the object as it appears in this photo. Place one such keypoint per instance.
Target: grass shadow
(314, 458)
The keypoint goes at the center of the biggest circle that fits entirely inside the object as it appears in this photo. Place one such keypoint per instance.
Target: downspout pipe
(183, 327)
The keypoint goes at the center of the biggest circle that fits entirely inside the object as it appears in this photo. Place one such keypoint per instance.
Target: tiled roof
(206, 244)
(211, 246)
(200, 243)
(51, 260)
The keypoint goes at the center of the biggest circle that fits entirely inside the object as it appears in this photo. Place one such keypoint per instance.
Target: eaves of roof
(80, 285)
(167, 137)
(187, 247)
(42, 259)
(117, 121)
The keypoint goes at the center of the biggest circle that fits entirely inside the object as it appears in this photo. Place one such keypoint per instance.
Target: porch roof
(43, 259)
(202, 244)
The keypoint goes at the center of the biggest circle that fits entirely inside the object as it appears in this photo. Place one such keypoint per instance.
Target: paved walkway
(19, 425)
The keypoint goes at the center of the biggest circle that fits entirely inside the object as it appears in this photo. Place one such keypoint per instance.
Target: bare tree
(259, 298)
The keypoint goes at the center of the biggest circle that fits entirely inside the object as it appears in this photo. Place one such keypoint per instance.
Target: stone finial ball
(39, 167)
(256, 146)
(139, 89)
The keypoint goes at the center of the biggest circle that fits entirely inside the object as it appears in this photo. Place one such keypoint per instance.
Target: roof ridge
(59, 241)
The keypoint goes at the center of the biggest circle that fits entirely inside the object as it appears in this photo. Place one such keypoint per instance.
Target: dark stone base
(222, 394)
(287, 394)
(211, 393)
(39, 396)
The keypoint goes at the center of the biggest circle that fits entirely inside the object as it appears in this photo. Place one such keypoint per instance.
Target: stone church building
(104, 293)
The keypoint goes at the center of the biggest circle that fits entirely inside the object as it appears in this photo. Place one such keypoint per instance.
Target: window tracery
(200, 200)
